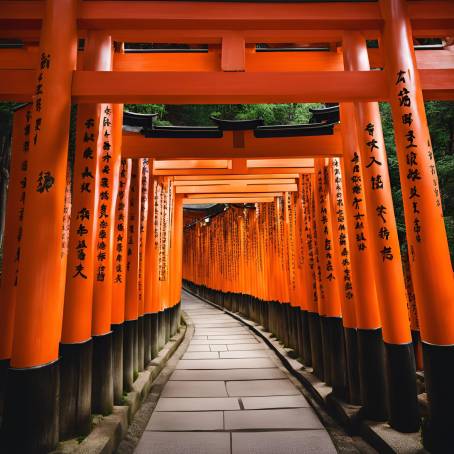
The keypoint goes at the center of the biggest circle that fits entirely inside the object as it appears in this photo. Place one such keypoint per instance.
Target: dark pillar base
(135, 350)
(140, 344)
(372, 374)
(351, 356)
(117, 360)
(316, 344)
(75, 389)
(30, 422)
(128, 354)
(4, 366)
(146, 339)
(102, 381)
(401, 376)
(167, 323)
(306, 339)
(438, 433)
(338, 361)
(326, 349)
(161, 330)
(154, 328)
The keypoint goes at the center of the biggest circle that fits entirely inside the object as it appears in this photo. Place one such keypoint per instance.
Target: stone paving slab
(198, 348)
(257, 363)
(229, 374)
(197, 403)
(243, 347)
(184, 443)
(222, 341)
(269, 402)
(201, 355)
(194, 389)
(186, 420)
(218, 348)
(288, 442)
(293, 418)
(245, 354)
(262, 388)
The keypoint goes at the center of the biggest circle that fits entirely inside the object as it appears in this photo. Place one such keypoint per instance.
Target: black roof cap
(236, 125)
(138, 119)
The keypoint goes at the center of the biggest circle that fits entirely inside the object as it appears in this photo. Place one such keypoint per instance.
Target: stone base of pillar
(75, 389)
(351, 357)
(146, 339)
(326, 349)
(4, 366)
(372, 374)
(154, 332)
(140, 344)
(167, 324)
(305, 339)
(338, 361)
(128, 354)
(102, 381)
(438, 433)
(31, 413)
(316, 345)
(402, 391)
(161, 330)
(117, 360)
(135, 348)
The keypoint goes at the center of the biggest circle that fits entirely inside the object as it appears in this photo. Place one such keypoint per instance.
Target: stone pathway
(228, 395)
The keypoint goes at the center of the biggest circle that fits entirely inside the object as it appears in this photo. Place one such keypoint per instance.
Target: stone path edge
(319, 396)
(107, 435)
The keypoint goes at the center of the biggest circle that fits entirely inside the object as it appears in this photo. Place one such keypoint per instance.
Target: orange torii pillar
(130, 346)
(102, 377)
(142, 330)
(177, 244)
(369, 333)
(151, 303)
(331, 318)
(30, 422)
(426, 236)
(20, 146)
(311, 239)
(348, 305)
(76, 340)
(120, 262)
(384, 244)
(118, 218)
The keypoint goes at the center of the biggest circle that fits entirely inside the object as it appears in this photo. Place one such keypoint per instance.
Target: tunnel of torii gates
(312, 253)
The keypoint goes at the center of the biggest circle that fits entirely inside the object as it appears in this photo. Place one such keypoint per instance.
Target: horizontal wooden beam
(27, 58)
(229, 16)
(234, 195)
(217, 178)
(226, 88)
(242, 182)
(187, 201)
(229, 172)
(137, 146)
(226, 188)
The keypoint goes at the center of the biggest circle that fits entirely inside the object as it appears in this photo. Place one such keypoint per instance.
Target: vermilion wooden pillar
(119, 214)
(370, 342)
(20, 146)
(76, 341)
(345, 280)
(426, 236)
(384, 243)
(30, 422)
(331, 321)
(131, 354)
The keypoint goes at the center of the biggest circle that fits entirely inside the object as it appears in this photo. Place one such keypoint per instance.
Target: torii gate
(54, 74)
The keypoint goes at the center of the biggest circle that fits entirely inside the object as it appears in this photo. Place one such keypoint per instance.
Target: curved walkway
(229, 395)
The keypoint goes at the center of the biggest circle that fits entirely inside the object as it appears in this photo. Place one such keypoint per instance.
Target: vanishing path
(229, 394)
